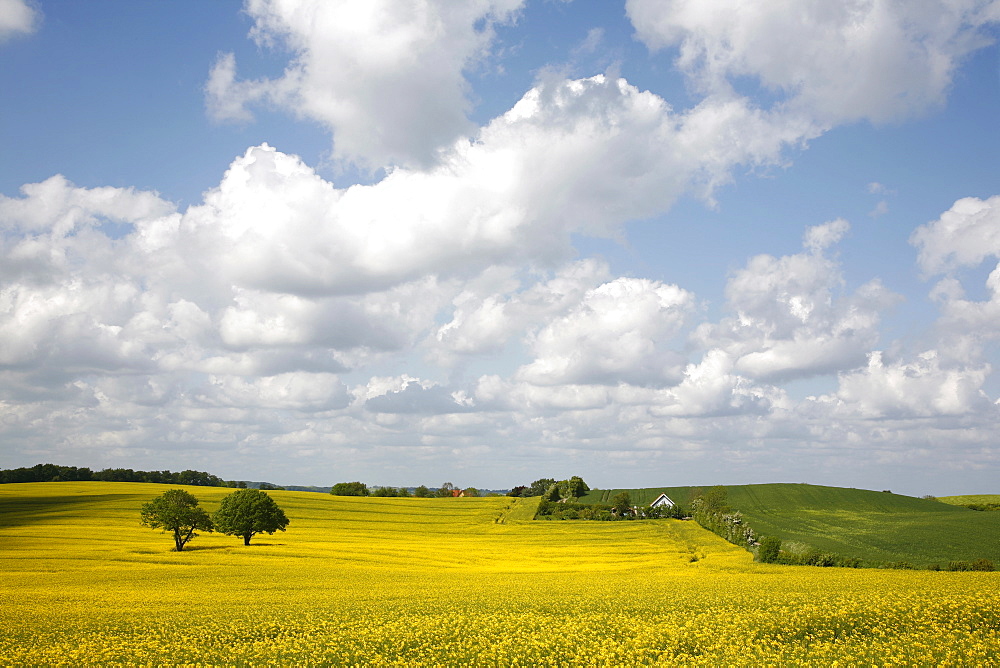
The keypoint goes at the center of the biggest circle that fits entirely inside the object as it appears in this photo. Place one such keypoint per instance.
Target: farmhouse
(662, 500)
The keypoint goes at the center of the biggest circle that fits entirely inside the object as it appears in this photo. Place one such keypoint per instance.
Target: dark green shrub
(349, 489)
(899, 565)
(622, 503)
(770, 548)
(825, 560)
(981, 565)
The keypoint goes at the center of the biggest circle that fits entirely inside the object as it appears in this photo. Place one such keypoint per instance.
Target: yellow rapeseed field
(437, 582)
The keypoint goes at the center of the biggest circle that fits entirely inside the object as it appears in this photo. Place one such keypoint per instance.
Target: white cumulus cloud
(385, 76)
(833, 63)
(792, 318)
(17, 17)
(963, 236)
(620, 332)
(921, 388)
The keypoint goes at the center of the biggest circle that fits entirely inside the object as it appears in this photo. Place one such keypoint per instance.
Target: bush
(544, 509)
(770, 548)
(622, 503)
(824, 559)
(389, 492)
(982, 565)
(977, 565)
(349, 489)
(802, 555)
(982, 507)
(899, 565)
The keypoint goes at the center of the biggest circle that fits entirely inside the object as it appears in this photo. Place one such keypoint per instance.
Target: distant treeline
(54, 473)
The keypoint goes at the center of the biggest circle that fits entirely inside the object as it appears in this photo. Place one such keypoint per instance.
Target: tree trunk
(246, 538)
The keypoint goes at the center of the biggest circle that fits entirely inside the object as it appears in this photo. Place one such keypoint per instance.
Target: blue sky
(647, 243)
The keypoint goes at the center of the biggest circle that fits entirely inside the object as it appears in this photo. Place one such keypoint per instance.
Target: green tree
(389, 491)
(715, 500)
(350, 489)
(573, 488)
(552, 493)
(471, 491)
(423, 492)
(770, 547)
(445, 491)
(622, 503)
(539, 487)
(247, 512)
(177, 511)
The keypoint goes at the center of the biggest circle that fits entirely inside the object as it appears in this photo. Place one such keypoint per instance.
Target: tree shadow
(199, 548)
(25, 510)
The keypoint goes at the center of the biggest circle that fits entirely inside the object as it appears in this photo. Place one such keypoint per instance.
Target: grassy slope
(447, 582)
(874, 526)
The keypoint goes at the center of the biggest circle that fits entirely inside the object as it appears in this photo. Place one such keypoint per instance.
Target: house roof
(662, 498)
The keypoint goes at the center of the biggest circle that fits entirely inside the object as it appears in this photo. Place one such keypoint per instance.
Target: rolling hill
(876, 527)
(449, 582)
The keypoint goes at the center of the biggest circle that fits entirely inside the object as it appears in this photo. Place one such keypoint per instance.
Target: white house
(662, 500)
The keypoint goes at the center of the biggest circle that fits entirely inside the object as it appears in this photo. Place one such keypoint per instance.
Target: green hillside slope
(358, 581)
(876, 527)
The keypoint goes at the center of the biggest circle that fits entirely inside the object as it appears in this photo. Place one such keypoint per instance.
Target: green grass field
(441, 582)
(876, 527)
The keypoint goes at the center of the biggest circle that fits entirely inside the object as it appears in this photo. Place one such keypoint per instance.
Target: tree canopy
(54, 473)
(390, 491)
(247, 512)
(573, 488)
(177, 511)
(622, 503)
(570, 489)
(539, 487)
(350, 489)
(553, 490)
